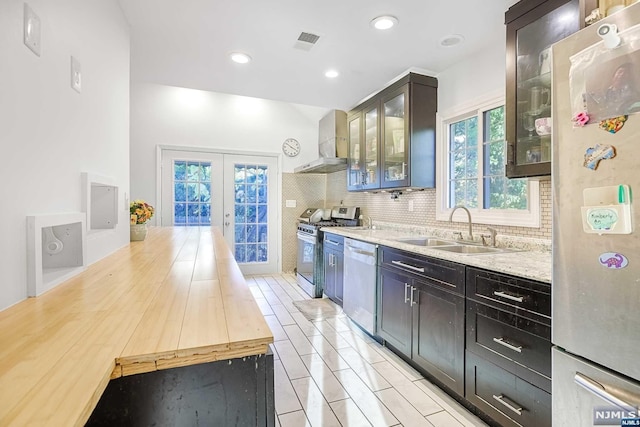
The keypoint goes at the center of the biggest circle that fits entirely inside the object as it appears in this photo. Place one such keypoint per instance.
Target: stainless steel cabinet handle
(600, 391)
(507, 344)
(509, 404)
(406, 297)
(413, 302)
(332, 242)
(508, 296)
(410, 267)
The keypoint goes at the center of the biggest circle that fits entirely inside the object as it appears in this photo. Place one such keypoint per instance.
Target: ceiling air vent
(306, 41)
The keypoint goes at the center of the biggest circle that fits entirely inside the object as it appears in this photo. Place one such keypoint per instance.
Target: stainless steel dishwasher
(359, 298)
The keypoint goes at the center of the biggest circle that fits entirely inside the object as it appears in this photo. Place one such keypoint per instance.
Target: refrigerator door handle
(508, 403)
(600, 391)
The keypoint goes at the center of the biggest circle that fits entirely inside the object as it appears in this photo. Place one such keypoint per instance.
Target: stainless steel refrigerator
(596, 227)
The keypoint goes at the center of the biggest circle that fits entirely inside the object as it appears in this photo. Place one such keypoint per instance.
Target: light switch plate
(76, 75)
(31, 30)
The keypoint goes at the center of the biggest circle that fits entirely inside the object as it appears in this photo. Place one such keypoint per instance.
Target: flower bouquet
(141, 212)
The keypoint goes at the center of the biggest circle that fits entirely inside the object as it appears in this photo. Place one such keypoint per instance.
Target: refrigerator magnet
(613, 124)
(613, 260)
(594, 155)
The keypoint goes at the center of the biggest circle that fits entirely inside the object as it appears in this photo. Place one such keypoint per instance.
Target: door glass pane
(394, 143)
(354, 152)
(371, 146)
(191, 193)
(251, 229)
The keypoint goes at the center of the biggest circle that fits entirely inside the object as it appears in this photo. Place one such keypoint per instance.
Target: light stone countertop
(529, 264)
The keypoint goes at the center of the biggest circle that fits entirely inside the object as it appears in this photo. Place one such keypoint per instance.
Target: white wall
(166, 115)
(49, 133)
(477, 76)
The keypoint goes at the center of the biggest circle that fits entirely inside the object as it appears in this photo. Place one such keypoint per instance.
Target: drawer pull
(508, 296)
(332, 242)
(406, 288)
(507, 344)
(601, 391)
(410, 267)
(509, 404)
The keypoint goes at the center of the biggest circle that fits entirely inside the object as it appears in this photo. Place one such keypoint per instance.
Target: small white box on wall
(56, 250)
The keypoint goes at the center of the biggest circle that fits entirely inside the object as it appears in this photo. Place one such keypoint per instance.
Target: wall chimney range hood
(332, 145)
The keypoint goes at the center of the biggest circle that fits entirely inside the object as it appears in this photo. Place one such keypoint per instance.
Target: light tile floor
(330, 373)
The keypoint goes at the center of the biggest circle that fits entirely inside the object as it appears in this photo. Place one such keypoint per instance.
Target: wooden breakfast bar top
(176, 299)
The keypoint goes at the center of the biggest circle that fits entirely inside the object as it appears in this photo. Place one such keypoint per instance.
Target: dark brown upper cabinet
(532, 27)
(392, 137)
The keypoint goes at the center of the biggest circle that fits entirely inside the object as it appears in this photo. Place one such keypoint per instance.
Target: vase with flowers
(141, 212)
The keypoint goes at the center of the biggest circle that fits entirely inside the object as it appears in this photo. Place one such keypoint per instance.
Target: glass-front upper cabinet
(395, 156)
(363, 172)
(532, 27)
(392, 137)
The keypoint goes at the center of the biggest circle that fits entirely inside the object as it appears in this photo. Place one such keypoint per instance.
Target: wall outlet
(76, 75)
(31, 30)
(410, 205)
(290, 203)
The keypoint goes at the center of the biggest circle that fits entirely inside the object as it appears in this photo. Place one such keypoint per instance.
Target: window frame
(509, 217)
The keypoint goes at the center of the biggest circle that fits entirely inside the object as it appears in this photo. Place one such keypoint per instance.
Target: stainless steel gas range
(309, 266)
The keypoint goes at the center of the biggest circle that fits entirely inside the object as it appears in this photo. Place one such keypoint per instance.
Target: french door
(237, 193)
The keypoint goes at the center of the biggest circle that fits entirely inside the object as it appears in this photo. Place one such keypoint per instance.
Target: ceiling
(187, 44)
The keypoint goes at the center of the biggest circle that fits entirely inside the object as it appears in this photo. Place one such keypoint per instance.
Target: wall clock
(291, 147)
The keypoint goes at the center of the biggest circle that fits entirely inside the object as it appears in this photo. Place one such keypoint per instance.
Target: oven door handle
(307, 239)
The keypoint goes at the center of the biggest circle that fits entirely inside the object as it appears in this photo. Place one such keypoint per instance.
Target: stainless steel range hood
(332, 145)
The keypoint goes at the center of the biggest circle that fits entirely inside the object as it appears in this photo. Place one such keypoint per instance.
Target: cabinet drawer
(333, 241)
(513, 294)
(519, 345)
(507, 399)
(444, 274)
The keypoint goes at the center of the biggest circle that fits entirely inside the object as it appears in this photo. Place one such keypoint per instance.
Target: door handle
(509, 404)
(410, 267)
(507, 344)
(413, 302)
(508, 296)
(406, 297)
(600, 391)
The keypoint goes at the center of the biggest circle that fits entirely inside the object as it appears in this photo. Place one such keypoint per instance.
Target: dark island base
(236, 392)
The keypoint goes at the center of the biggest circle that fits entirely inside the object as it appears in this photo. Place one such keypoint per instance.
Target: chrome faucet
(468, 216)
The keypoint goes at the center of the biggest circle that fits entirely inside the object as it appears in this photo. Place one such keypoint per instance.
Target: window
(192, 193)
(473, 150)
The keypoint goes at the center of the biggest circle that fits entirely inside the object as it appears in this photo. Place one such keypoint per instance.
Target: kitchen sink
(425, 241)
(472, 250)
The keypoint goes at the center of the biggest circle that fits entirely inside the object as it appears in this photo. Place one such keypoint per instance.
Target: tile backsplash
(330, 190)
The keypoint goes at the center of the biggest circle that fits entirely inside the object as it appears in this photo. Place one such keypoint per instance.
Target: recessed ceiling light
(331, 74)
(451, 40)
(384, 22)
(239, 57)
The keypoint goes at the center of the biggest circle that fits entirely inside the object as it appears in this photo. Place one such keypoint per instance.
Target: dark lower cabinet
(508, 348)
(421, 315)
(438, 334)
(505, 397)
(333, 255)
(394, 310)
